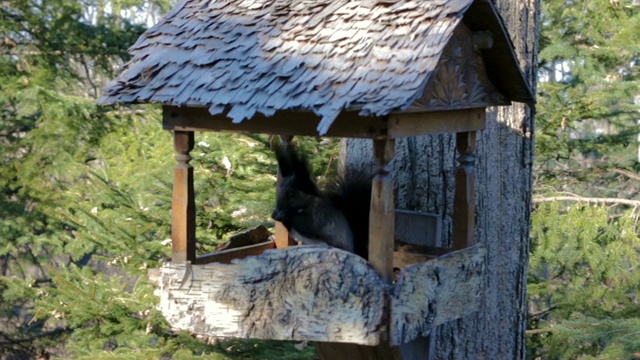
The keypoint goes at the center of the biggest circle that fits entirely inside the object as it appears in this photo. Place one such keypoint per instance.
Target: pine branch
(542, 313)
(540, 331)
(627, 173)
(590, 200)
(11, 341)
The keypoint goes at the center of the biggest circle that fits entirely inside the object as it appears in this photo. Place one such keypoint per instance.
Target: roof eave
(501, 60)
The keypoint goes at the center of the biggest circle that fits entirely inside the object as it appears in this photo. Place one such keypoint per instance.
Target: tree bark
(424, 173)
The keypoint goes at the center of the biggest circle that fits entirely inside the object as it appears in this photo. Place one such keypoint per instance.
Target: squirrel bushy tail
(351, 195)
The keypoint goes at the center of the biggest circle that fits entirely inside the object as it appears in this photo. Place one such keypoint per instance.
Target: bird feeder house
(362, 69)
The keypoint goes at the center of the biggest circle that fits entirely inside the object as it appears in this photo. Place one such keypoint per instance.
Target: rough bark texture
(424, 177)
(318, 293)
(432, 293)
(310, 293)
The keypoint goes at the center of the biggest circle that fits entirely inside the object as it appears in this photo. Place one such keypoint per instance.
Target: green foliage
(583, 282)
(583, 267)
(586, 120)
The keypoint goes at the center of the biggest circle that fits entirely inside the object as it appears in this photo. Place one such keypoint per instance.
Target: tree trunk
(424, 179)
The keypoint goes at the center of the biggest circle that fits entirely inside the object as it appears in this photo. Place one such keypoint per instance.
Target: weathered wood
(465, 194)
(418, 228)
(483, 40)
(257, 235)
(509, 79)
(382, 212)
(402, 259)
(348, 123)
(226, 256)
(430, 294)
(318, 293)
(183, 209)
(313, 293)
(436, 122)
(460, 80)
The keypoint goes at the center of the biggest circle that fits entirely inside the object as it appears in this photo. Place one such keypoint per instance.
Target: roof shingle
(261, 56)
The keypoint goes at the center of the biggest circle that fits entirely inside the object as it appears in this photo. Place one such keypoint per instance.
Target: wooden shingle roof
(243, 57)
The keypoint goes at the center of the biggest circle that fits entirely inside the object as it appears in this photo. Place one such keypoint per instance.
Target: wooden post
(465, 192)
(283, 239)
(183, 209)
(382, 212)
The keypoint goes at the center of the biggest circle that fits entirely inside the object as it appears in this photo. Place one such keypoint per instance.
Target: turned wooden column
(465, 191)
(283, 239)
(183, 209)
(382, 212)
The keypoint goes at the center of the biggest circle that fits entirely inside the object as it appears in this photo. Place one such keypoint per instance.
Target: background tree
(583, 271)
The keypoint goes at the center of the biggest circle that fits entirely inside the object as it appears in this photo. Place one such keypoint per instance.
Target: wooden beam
(436, 122)
(348, 123)
(382, 212)
(464, 201)
(183, 209)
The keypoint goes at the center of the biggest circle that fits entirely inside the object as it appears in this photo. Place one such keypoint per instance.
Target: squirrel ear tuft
(285, 163)
(291, 163)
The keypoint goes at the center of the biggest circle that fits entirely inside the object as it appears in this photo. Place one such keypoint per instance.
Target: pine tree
(583, 268)
(590, 73)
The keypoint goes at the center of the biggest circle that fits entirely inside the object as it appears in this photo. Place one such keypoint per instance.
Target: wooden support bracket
(465, 191)
(382, 212)
(183, 208)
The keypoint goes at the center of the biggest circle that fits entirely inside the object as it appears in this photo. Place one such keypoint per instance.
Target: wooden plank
(416, 228)
(313, 293)
(436, 122)
(257, 235)
(433, 293)
(348, 123)
(382, 212)
(464, 198)
(225, 256)
(402, 259)
(282, 237)
(183, 208)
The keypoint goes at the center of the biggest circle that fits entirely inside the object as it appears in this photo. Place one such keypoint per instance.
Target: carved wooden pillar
(183, 209)
(465, 191)
(382, 212)
(283, 239)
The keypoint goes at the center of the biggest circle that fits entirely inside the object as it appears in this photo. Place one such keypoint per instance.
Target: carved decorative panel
(460, 80)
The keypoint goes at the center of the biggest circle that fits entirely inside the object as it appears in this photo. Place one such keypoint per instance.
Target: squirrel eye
(290, 194)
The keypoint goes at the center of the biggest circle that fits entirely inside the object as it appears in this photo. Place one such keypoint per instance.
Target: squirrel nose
(278, 215)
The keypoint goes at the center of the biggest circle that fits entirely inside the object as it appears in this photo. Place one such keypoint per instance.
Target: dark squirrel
(337, 216)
